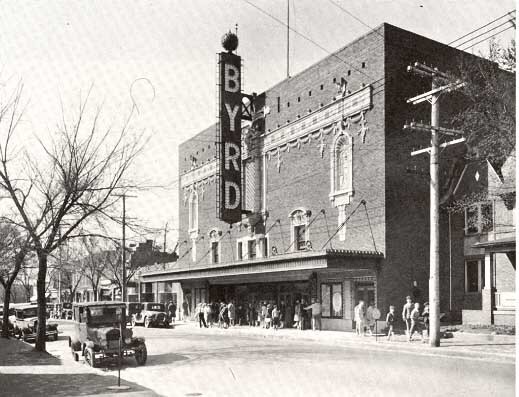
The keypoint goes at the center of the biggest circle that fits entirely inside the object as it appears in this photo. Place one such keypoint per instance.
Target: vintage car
(152, 314)
(133, 308)
(25, 323)
(66, 311)
(98, 327)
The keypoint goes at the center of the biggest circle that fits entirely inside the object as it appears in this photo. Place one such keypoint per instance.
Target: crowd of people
(416, 321)
(265, 314)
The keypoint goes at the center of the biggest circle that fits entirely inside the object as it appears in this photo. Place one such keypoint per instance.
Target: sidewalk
(461, 345)
(25, 372)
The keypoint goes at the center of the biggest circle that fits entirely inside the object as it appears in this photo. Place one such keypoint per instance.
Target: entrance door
(365, 291)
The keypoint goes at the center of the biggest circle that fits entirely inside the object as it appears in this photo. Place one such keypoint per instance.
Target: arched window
(299, 232)
(214, 240)
(193, 211)
(341, 172)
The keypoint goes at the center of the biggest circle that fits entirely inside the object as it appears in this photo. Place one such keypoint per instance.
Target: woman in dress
(297, 315)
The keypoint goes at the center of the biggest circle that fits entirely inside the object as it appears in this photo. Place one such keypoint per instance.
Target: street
(188, 361)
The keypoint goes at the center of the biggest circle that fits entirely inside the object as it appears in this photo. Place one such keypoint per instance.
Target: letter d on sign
(232, 195)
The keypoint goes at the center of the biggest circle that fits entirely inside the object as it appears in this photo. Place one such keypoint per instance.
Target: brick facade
(296, 174)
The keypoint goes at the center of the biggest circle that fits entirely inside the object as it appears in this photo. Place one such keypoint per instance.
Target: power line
(486, 38)
(309, 39)
(481, 34)
(481, 27)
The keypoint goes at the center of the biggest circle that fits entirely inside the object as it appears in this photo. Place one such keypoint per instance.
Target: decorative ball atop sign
(230, 41)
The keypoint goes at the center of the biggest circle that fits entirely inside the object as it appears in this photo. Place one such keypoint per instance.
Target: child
(406, 314)
(415, 321)
(390, 320)
(425, 316)
(275, 318)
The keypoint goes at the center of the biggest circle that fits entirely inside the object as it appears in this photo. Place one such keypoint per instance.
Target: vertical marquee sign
(229, 132)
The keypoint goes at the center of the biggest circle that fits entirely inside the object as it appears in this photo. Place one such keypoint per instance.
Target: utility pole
(123, 286)
(433, 97)
(288, 39)
(123, 292)
(165, 234)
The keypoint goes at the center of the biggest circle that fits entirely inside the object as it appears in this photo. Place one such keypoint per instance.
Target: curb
(402, 346)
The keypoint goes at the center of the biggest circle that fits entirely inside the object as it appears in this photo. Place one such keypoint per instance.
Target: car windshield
(104, 315)
(31, 312)
(158, 307)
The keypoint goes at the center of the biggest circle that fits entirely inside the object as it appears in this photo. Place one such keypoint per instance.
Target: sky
(159, 58)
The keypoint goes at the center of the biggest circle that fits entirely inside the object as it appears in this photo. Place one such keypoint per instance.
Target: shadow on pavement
(62, 385)
(30, 357)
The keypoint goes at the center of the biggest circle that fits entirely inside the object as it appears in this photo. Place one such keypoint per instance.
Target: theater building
(330, 151)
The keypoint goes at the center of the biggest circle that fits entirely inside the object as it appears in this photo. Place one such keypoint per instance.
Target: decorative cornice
(199, 174)
(341, 108)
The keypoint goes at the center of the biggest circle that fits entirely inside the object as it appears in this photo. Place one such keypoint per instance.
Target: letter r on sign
(232, 157)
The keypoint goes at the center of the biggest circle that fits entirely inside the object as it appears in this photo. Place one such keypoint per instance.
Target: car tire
(55, 337)
(69, 342)
(147, 322)
(141, 354)
(90, 357)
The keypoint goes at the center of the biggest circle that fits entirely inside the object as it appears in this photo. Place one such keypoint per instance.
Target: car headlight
(127, 340)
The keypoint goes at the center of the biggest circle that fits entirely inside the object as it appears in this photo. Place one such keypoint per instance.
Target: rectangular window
(331, 300)
(300, 237)
(487, 218)
(479, 218)
(474, 276)
(215, 258)
(264, 247)
(240, 250)
(251, 244)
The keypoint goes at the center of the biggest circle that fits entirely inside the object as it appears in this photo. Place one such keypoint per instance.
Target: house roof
(499, 245)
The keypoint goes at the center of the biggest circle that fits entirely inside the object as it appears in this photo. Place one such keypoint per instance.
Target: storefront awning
(293, 266)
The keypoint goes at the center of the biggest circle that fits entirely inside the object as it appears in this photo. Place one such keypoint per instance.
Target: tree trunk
(5, 319)
(42, 301)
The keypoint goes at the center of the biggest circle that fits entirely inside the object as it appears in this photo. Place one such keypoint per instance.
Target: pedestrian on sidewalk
(390, 321)
(275, 318)
(303, 316)
(370, 318)
(263, 314)
(425, 316)
(172, 309)
(268, 316)
(224, 315)
(315, 308)
(406, 314)
(415, 322)
(200, 311)
(208, 315)
(231, 310)
(297, 315)
(360, 318)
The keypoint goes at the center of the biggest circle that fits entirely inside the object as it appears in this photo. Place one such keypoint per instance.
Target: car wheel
(90, 357)
(69, 342)
(141, 354)
(55, 337)
(134, 323)
(147, 322)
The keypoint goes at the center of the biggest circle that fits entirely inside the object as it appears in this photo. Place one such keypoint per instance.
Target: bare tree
(68, 191)
(14, 247)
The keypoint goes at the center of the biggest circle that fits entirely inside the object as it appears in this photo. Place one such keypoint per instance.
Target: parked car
(66, 311)
(132, 308)
(25, 323)
(97, 331)
(152, 314)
